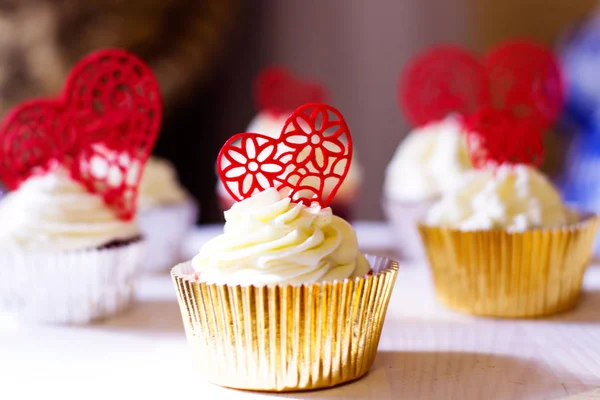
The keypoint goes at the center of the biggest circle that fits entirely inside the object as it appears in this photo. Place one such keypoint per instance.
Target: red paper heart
(525, 78)
(102, 128)
(279, 92)
(496, 137)
(442, 81)
(520, 76)
(314, 148)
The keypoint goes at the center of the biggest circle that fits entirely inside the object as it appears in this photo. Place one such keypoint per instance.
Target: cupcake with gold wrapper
(502, 243)
(283, 300)
(438, 91)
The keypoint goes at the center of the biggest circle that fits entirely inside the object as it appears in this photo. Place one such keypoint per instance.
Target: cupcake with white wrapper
(69, 244)
(166, 214)
(277, 94)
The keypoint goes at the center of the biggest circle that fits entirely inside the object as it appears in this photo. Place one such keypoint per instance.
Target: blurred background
(207, 52)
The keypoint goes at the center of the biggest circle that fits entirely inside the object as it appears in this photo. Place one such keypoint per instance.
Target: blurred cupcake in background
(438, 90)
(429, 161)
(502, 243)
(579, 181)
(277, 94)
(66, 257)
(435, 90)
(166, 214)
(70, 246)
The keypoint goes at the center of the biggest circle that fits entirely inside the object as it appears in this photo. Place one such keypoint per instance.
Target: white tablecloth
(426, 351)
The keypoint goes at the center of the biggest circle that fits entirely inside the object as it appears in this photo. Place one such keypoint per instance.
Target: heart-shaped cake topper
(525, 78)
(520, 76)
(313, 152)
(279, 92)
(442, 81)
(499, 137)
(101, 128)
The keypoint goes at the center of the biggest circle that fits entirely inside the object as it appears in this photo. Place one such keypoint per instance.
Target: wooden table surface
(426, 351)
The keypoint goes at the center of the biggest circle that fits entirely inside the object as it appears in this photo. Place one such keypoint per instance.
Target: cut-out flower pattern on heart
(252, 163)
(313, 150)
(314, 138)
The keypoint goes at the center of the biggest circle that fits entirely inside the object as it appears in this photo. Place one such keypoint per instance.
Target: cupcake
(430, 161)
(277, 94)
(70, 247)
(438, 91)
(284, 300)
(502, 243)
(166, 213)
(69, 243)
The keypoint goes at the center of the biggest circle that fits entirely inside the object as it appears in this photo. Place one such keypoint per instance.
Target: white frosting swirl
(159, 185)
(270, 124)
(269, 240)
(53, 212)
(430, 161)
(514, 198)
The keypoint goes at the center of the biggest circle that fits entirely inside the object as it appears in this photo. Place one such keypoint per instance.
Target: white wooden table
(426, 351)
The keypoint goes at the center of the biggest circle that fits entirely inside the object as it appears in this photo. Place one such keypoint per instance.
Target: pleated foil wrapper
(285, 338)
(70, 287)
(164, 229)
(497, 273)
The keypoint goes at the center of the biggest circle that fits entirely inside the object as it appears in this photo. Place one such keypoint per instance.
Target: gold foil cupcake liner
(285, 338)
(510, 274)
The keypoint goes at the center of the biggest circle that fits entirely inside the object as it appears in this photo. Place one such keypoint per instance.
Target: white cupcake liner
(164, 228)
(403, 219)
(71, 287)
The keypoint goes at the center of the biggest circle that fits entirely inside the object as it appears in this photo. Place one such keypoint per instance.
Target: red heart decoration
(520, 76)
(314, 148)
(279, 92)
(496, 137)
(102, 128)
(441, 81)
(525, 77)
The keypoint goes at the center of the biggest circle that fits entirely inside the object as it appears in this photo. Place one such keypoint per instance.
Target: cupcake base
(526, 274)
(74, 287)
(164, 229)
(404, 219)
(285, 338)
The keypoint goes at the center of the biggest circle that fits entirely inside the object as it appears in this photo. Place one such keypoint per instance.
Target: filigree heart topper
(313, 152)
(519, 76)
(498, 137)
(279, 92)
(101, 129)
